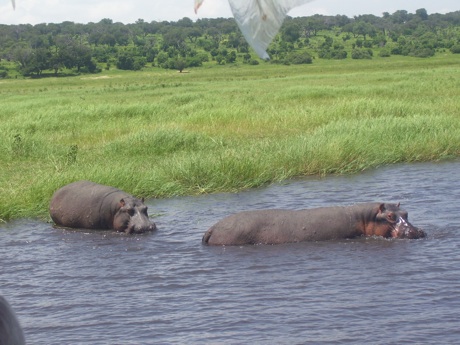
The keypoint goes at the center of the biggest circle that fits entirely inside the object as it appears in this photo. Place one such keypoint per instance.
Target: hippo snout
(404, 229)
(147, 226)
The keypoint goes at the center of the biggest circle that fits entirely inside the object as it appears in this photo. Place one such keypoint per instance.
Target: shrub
(422, 52)
(128, 61)
(3, 72)
(337, 54)
(455, 49)
(362, 54)
(367, 44)
(195, 61)
(385, 53)
(298, 58)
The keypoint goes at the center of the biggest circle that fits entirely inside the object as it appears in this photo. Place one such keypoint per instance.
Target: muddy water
(90, 287)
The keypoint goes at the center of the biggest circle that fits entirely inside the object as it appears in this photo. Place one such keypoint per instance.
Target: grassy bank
(160, 133)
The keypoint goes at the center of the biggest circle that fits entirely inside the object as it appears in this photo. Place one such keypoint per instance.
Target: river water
(93, 287)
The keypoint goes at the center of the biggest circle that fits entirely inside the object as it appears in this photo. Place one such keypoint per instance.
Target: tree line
(68, 47)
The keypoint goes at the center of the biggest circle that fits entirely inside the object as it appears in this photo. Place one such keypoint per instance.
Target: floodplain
(158, 133)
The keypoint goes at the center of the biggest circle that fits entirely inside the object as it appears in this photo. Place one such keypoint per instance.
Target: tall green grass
(161, 133)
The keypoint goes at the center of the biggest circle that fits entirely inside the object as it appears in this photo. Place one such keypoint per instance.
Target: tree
(185, 22)
(174, 37)
(74, 52)
(290, 32)
(364, 29)
(180, 64)
(53, 46)
(193, 34)
(34, 61)
(311, 25)
(234, 40)
(400, 17)
(207, 44)
(41, 60)
(22, 53)
(422, 13)
(129, 59)
(161, 58)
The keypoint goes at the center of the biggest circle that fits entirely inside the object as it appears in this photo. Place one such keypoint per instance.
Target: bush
(362, 54)
(3, 72)
(337, 54)
(455, 49)
(396, 51)
(195, 61)
(162, 58)
(385, 53)
(298, 58)
(231, 58)
(91, 67)
(422, 52)
(203, 57)
(127, 61)
(367, 44)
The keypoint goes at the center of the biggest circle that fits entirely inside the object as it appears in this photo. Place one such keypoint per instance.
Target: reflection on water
(91, 287)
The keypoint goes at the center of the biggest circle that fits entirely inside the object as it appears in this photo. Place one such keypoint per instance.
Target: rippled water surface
(90, 287)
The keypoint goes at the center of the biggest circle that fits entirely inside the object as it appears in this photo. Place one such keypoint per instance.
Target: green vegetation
(71, 48)
(160, 133)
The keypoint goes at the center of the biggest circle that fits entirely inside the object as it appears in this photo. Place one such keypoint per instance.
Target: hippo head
(132, 217)
(393, 222)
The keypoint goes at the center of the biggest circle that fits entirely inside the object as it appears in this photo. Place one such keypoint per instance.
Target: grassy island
(158, 133)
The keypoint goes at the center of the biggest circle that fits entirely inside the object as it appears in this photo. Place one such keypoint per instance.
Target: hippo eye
(130, 211)
(391, 217)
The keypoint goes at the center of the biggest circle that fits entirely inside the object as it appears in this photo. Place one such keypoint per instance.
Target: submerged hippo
(325, 223)
(89, 205)
(10, 330)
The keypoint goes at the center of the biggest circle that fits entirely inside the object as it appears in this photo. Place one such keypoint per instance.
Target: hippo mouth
(138, 224)
(403, 229)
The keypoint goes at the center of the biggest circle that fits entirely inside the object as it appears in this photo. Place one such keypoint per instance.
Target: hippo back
(85, 204)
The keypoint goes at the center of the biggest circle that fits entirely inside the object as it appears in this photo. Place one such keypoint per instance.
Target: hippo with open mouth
(276, 226)
(85, 204)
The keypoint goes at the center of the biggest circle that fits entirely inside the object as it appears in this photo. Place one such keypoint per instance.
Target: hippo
(10, 329)
(275, 226)
(85, 204)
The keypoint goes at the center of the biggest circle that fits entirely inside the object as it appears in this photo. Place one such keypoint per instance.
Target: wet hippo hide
(85, 204)
(326, 223)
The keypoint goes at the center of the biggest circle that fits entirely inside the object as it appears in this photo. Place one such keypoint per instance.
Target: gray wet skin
(89, 205)
(326, 223)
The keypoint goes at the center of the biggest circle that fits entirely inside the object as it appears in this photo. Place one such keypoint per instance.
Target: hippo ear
(142, 199)
(122, 202)
(381, 208)
(397, 205)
